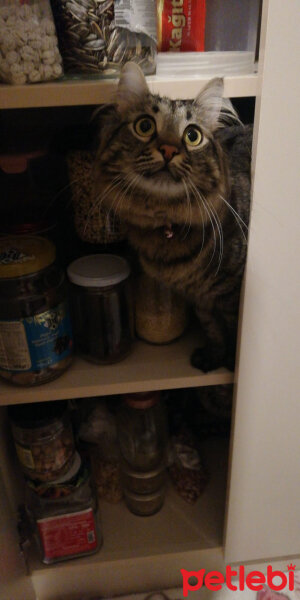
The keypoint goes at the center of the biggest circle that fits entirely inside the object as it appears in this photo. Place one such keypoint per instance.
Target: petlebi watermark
(236, 579)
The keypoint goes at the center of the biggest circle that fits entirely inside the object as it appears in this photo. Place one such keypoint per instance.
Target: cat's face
(160, 153)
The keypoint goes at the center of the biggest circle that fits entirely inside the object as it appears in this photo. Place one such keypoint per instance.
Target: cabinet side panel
(14, 583)
(263, 517)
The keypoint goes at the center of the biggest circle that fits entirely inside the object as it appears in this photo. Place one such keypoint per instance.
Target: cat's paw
(207, 359)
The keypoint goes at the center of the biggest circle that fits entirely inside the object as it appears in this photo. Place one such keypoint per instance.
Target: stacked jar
(59, 495)
(142, 435)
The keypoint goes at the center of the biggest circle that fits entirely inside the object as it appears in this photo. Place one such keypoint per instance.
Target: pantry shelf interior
(148, 367)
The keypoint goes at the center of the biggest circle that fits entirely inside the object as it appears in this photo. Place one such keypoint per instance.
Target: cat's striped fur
(185, 203)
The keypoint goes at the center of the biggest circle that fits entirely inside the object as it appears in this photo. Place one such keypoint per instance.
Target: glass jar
(145, 505)
(102, 307)
(160, 314)
(43, 438)
(143, 482)
(65, 517)
(35, 327)
(142, 431)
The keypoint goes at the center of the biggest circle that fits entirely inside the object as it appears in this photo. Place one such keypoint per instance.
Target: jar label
(37, 342)
(68, 535)
(25, 456)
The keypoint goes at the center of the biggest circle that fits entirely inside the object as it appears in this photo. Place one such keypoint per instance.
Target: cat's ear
(132, 87)
(105, 120)
(209, 103)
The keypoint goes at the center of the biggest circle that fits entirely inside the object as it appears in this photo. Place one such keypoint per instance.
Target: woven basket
(93, 224)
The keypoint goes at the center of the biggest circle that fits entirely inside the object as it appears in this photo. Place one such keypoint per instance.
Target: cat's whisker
(210, 215)
(237, 217)
(189, 208)
(120, 184)
(98, 203)
(212, 221)
(220, 230)
(201, 204)
(59, 193)
(200, 209)
(118, 200)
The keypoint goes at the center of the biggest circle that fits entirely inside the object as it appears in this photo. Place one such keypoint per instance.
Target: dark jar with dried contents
(101, 307)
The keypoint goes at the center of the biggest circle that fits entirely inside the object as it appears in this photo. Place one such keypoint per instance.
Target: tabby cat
(178, 174)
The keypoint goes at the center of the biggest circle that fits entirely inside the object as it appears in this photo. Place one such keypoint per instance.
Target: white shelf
(83, 92)
(147, 368)
(144, 553)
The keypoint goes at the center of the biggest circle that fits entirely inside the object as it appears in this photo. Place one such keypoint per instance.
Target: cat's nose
(168, 151)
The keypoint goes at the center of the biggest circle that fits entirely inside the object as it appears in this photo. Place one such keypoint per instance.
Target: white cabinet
(262, 505)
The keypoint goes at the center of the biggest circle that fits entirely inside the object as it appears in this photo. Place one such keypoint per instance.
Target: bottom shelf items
(142, 553)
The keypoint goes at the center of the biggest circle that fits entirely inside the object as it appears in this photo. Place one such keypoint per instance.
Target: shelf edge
(93, 92)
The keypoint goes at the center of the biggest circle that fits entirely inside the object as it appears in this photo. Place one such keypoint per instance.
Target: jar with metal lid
(145, 505)
(160, 314)
(65, 516)
(101, 307)
(43, 438)
(143, 482)
(142, 431)
(35, 327)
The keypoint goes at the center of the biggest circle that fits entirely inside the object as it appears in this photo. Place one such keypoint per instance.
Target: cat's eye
(145, 126)
(192, 136)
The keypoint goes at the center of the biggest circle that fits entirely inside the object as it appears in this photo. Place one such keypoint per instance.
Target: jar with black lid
(102, 312)
(35, 328)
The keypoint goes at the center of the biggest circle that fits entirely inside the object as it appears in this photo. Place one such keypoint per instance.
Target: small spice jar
(43, 438)
(102, 307)
(65, 516)
(160, 314)
(35, 328)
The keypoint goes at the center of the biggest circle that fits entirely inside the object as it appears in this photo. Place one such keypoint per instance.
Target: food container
(145, 505)
(43, 439)
(160, 314)
(102, 307)
(214, 25)
(139, 482)
(142, 431)
(97, 38)
(207, 37)
(67, 526)
(93, 223)
(35, 328)
(28, 44)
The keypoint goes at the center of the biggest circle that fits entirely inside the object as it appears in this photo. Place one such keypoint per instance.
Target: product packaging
(29, 50)
(65, 516)
(98, 37)
(186, 470)
(35, 329)
(181, 25)
(98, 432)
